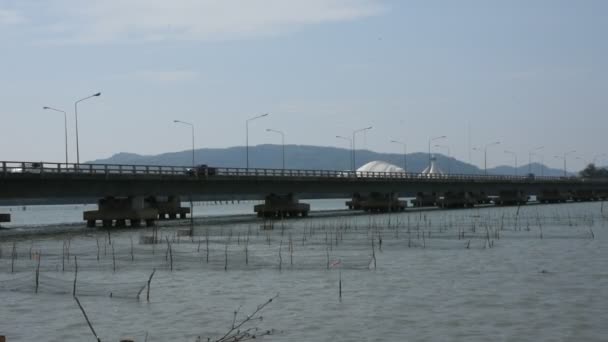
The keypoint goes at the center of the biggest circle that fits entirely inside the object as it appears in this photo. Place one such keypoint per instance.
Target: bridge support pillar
(119, 210)
(169, 207)
(511, 197)
(584, 196)
(376, 202)
(457, 200)
(425, 199)
(5, 218)
(276, 206)
(552, 196)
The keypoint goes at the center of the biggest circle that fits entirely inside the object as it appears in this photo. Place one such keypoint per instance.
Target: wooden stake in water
(113, 260)
(280, 256)
(373, 253)
(149, 280)
(38, 272)
(207, 243)
(191, 218)
(226, 258)
(247, 252)
(340, 287)
(75, 276)
(170, 249)
(63, 257)
(87, 319)
(13, 257)
(132, 255)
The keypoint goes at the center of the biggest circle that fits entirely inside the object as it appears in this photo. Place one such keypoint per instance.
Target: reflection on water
(477, 274)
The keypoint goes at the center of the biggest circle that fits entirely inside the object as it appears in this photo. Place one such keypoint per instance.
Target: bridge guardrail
(44, 168)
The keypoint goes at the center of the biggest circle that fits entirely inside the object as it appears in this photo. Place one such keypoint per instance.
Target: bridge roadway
(24, 180)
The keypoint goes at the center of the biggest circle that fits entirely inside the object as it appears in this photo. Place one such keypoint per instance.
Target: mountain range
(313, 158)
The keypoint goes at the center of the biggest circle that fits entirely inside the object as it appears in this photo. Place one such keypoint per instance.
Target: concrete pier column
(376, 202)
(425, 199)
(277, 206)
(552, 196)
(514, 197)
(119, 210)
(5, 218)
(457, 199)
(169, 207)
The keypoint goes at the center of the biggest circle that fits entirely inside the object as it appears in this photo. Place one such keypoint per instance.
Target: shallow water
(539, 275)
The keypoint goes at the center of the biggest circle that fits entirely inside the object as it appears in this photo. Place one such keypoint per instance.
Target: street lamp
(565, 157)
(431, 140)
(65, 122)
(476, 149)
(354, 135)
(485, 156)
(449, 157)
(247, 136)
(282, 141)
(192, 128)
(76, 117)
(530, 153)
(514, 156)
(351, 147)
(404, 153)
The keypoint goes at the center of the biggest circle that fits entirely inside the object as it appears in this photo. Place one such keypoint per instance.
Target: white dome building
(379, 166)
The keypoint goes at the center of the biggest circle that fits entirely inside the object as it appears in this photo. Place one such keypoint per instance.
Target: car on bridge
(202, 170)
(28, 168)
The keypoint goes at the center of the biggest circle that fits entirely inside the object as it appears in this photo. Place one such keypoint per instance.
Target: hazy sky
(526, 73)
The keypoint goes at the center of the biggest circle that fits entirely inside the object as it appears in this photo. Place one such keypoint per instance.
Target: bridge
(136, 188)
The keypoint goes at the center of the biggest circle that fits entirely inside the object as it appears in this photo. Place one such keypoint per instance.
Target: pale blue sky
(527, 73)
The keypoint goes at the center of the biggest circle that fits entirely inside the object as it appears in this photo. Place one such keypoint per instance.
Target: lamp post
(514, 156)
(476, 149)
(530, 153)
(282, 141)
(449, 157)
(354, 135)
(193, 170)
(192, 128)
(247, 136)
(65, 122)
(431, 140)
(485, 156)
(565, 157)
(76, 117)
(404, 153)
(350, 141)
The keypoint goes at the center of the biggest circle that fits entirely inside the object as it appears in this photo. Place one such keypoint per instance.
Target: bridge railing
(368, 175)
(44, 168)
(8, 167)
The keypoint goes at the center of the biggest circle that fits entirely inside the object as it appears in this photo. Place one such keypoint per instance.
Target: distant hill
(308, 157)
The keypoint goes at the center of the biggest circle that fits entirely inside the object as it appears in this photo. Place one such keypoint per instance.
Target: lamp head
(97, 94)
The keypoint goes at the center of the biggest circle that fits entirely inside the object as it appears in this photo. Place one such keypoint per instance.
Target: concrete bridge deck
(21, 180)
